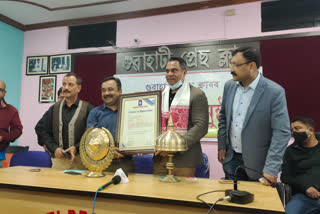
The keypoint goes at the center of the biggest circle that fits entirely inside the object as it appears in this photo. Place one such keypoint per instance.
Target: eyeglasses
(2, 90)
(237, 65)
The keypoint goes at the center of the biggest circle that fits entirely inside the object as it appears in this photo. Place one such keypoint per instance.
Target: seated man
(106, 116)
(62, 126)
(301, 168)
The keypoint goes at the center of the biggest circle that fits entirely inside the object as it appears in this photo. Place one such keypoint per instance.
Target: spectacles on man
(234, 65)
(2, 90)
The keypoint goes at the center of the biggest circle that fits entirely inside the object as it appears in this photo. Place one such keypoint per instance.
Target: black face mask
(300, 137)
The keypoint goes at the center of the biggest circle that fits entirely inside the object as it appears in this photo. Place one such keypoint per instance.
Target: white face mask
(175, 86)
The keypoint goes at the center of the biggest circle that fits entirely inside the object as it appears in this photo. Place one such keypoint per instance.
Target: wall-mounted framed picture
(37, 65)
(60, 64)
(47, 89)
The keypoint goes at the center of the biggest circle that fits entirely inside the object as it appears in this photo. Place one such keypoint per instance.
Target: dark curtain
(294, 64)
(93, 69)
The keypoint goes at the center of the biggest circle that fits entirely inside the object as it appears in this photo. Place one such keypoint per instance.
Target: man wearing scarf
(188, 107)
(10, 125)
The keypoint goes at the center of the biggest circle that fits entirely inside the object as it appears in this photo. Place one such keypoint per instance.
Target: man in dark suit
(188, 107)
(254, 123)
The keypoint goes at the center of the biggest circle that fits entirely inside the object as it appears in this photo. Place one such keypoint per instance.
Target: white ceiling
(27, 14)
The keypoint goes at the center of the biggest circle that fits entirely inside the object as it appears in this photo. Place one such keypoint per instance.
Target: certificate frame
(139, 122)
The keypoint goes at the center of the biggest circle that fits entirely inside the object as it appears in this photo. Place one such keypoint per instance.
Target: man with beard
(106, 115)
(62, 126)
(10, 125)
(301, 168)
(253, 123)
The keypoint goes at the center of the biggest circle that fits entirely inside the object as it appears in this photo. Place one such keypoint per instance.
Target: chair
(14, 149)
(143, 164)
(288, 193)
(31, 158)
(281, 192)
(10, 151)
(203, 171)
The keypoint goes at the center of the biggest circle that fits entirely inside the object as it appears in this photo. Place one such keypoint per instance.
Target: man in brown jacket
(188, 107)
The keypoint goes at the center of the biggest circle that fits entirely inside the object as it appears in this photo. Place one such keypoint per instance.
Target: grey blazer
(197, 128)
(266, 128)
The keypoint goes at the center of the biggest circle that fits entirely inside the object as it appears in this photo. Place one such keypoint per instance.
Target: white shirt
(240, 106)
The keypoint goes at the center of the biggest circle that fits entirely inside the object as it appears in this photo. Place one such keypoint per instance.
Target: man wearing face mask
(188, 107)
(301, 168)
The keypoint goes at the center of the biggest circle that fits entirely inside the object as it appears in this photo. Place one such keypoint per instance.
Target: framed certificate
(139, 121)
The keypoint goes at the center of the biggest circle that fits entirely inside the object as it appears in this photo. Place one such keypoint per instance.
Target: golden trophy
(171, 142)
(96, 151)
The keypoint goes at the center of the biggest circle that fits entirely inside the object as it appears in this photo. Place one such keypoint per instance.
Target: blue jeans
(231, 167)
(302, 204)
(1, 163)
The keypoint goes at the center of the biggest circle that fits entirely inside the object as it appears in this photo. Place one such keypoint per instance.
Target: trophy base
(170, 179)
(94, 174)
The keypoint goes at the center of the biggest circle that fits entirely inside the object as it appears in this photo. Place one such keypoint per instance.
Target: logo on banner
(140, 103)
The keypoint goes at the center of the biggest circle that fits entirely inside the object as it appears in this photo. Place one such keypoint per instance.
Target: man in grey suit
(188, 107)
(254, 127)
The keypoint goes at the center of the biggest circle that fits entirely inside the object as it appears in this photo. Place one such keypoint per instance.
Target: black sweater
(301, 167)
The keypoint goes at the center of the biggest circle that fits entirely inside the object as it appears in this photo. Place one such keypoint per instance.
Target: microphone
(259, 173)
(115, 180)
(237, 196)
(119, 177)
(123, 175)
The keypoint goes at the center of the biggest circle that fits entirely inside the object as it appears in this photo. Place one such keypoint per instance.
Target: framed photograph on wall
(47, 89)
(37, 65)
(60, 64)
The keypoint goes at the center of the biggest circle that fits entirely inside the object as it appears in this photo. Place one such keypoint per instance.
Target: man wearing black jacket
(61, 127)
(301, 168)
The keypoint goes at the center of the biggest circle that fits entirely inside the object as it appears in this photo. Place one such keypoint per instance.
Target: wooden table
(52, 191)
